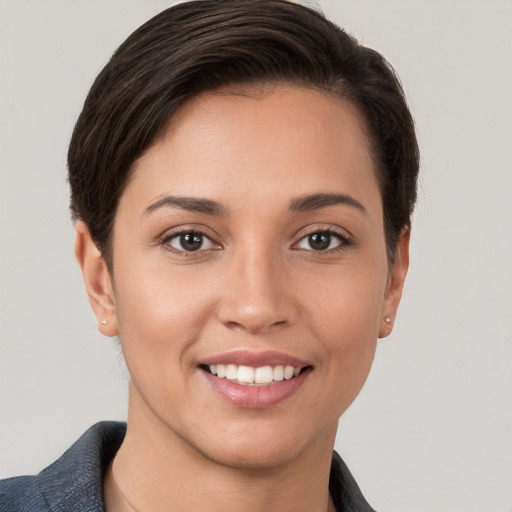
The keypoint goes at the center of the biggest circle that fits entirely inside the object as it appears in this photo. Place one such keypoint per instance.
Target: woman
(242, 178)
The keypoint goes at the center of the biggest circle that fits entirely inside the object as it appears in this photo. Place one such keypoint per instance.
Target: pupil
(320, 241)
(191, 241)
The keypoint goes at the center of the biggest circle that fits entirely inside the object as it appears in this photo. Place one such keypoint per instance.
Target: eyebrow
(192, 204)
(209, 207)
(317, 201)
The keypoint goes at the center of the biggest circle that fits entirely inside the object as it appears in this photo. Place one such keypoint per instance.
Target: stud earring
(387, 321)
(103, 322)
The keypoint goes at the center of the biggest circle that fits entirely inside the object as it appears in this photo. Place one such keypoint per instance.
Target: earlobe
(395, 284)
(97, 280)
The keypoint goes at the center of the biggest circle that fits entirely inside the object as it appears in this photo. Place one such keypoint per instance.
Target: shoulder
(344, 490)
(74, 482)
(20, 494)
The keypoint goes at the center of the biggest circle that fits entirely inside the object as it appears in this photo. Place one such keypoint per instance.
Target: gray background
(432, 429)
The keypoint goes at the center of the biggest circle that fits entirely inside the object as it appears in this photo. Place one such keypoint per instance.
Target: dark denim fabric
(74, 483)
(345, 492)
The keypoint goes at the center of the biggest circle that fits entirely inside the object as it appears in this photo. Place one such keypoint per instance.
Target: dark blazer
(74, 483)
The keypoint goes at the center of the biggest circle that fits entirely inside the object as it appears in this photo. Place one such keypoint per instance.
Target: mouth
(252, 380)
(254, 376)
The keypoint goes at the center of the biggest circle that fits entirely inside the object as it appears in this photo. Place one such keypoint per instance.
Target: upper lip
(255, 359)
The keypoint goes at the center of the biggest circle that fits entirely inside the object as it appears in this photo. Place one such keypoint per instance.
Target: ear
(395, 283)
(98, 283)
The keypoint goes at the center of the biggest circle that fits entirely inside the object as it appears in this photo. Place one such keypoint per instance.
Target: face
(250, 280)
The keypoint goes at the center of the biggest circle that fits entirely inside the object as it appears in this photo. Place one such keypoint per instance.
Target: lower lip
(256, 397)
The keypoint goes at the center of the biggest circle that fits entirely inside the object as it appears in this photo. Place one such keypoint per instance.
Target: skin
(258, 285)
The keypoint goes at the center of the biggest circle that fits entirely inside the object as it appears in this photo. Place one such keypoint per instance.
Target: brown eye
(190, 241)
(321, 241)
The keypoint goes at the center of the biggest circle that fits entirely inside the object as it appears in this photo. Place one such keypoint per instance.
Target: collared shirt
(74, 483)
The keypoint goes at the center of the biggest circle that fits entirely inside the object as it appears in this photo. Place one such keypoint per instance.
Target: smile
(255, 380)
(247, 375)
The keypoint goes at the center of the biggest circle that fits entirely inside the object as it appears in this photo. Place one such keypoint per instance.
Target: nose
(257, 294)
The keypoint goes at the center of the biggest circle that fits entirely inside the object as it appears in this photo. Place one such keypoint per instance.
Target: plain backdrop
(432, 428)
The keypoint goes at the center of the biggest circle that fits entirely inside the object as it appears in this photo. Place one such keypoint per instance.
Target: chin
(253, 456)
(258, 447)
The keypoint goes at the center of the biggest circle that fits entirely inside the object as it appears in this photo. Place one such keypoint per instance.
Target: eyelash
(344, 241)
(166, 241)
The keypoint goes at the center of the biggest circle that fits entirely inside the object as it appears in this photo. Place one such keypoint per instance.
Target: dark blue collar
(77, 476)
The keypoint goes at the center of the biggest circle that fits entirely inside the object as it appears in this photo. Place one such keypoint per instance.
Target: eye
(322, 241)
(189, 241)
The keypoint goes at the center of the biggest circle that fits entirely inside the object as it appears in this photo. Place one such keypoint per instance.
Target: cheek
(160, 313)
(349, 302)
(349, 331)
(346, 315)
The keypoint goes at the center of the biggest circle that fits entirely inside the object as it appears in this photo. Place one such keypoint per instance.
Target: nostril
(254, 326)
(234, 325)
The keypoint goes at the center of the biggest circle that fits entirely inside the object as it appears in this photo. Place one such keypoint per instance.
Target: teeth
(249, 375)
(288, 372)
(245, 374)
(231, 371)
(279, 373)
(263, 375)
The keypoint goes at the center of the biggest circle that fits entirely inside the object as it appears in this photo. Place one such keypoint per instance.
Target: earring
(103, 322)
(387, 332)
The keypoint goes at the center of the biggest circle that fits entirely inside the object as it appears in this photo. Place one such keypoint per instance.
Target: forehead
(224, 144)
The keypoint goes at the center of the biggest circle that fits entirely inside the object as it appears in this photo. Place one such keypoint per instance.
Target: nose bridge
(257, 296)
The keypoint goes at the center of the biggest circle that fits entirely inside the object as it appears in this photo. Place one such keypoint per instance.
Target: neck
(154, 468)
